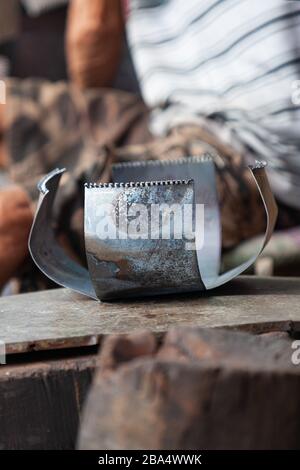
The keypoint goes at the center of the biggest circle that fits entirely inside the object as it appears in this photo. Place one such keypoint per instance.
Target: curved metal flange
(44, 249)
(259, 174)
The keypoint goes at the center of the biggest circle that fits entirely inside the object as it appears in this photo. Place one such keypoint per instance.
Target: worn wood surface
(61, 319)
(199, 389)
(40, 402)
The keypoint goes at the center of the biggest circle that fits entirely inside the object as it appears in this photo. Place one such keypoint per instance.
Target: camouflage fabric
(56, 125)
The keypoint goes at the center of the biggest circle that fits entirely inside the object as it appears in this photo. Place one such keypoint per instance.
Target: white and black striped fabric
(237, 61)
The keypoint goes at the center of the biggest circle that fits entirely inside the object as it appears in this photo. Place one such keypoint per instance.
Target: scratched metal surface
(201, 169)
(122, 268)
(62, 319)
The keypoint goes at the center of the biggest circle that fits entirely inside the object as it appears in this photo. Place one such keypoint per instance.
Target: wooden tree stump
(199, 389)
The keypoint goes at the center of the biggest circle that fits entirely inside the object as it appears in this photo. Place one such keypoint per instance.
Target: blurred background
(32, 38)
(93, 82)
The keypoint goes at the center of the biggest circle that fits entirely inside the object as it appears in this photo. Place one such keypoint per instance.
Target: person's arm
(94, 41)
(16, 215)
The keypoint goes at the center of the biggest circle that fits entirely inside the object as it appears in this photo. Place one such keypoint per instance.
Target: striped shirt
(236, 61)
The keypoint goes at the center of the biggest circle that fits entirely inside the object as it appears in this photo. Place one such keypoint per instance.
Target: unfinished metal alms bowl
(155, 230)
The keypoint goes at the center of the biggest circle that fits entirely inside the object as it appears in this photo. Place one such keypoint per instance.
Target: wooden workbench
(52, 339)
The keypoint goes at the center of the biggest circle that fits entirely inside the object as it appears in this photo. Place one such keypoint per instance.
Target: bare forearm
(94, 41)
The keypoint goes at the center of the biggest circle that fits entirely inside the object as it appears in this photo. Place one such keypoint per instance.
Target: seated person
(217, 76)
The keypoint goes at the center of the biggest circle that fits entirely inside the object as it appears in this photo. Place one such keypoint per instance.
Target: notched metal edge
(192, 159)
(258, 165)
(138, 184)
